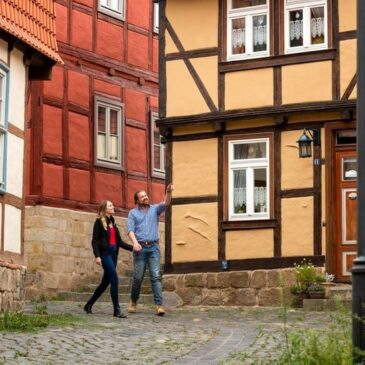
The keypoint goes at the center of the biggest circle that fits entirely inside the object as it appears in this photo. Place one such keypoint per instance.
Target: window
(249, 179)
(157, 149)
(113, 8)
(155, 17)
(305, 25)
(3, 126)
(247, 29)
(108, 132)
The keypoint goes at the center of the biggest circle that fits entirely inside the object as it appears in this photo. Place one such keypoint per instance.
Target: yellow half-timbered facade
(241, 82)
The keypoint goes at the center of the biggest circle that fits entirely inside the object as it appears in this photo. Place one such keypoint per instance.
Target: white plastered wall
(12, 229)
(17, 89)
(14, 174)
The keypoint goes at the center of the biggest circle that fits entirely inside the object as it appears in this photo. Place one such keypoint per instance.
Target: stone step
(123, 288)
(84, 297)
(341, 291)
(321, 305)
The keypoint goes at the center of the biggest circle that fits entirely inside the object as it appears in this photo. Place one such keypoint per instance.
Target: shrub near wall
(12, 287)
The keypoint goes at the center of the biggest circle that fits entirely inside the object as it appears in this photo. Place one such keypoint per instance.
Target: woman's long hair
(101, 213)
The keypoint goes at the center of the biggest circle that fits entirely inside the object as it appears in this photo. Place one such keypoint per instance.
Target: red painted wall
(107, 57)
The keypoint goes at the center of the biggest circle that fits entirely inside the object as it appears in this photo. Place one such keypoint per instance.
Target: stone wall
(12, 287)
(58, 253)
(246, 288)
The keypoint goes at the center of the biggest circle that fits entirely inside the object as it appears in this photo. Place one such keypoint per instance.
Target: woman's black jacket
(101, 237)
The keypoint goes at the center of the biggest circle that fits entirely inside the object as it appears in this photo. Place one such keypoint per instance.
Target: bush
(305, 274)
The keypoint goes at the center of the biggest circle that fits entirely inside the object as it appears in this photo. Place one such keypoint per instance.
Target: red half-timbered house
(92, 134)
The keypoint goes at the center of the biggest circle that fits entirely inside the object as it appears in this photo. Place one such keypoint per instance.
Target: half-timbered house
(28, 51)
(241, 82)
(92, 135)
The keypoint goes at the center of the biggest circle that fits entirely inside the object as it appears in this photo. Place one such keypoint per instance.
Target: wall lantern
(305, 142)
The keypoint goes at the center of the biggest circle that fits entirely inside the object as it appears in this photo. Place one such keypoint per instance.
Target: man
(143, 232)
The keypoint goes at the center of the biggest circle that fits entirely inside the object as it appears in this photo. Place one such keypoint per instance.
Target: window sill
(110, 166)
(248, 224)
(282, 60)
(158, 175)
(112, 13)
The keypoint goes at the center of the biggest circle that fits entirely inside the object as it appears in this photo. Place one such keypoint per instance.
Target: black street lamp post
(358, 270)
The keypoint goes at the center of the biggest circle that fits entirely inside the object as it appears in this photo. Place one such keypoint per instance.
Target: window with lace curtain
(247, 29)
(305, 25)
(114, 8)
(108, 132)
(3, 126)
(248, 179)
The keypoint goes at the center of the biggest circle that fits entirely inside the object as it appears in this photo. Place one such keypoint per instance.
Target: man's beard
(145, 203)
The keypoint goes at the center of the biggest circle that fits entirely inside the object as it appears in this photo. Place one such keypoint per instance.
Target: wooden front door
(345, 213)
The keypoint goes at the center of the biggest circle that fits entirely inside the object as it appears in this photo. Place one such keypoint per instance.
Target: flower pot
(327, 287)
(299, 296)
(318, 294)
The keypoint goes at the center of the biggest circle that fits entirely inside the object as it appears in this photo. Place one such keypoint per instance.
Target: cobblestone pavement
(186, 336)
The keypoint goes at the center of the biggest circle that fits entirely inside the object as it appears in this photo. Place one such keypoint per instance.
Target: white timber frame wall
(12, 154)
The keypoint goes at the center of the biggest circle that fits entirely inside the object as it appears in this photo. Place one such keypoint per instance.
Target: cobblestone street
(191, 335)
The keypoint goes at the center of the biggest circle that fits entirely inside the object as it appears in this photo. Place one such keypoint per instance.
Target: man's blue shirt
(144, 224)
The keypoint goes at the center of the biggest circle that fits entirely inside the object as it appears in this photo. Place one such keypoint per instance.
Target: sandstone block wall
(12, 287)
(58, 253)
(246, 288)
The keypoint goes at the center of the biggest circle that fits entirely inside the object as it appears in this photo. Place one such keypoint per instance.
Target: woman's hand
(98, 261)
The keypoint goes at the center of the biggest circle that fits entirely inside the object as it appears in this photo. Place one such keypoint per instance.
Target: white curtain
(238, 37)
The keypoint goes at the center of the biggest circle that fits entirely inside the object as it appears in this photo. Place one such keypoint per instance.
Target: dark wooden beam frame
(249, 264)
(255, 113)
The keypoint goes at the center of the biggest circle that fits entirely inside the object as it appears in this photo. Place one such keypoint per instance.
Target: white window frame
(250, 165)
(4, 81)
(247, 13)
(156, 10)
(105, 6)
(109, 104)
(305, 6)
(161, 173)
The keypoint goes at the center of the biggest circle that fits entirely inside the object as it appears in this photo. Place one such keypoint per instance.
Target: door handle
(353, 196)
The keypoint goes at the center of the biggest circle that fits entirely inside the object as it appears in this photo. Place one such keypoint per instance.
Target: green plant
(58, 297)
(315, 287)
(319, 279)
(305, 274)
(32, 322)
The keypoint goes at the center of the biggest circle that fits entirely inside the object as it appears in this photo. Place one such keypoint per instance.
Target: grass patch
(58, 297)
(33, 322)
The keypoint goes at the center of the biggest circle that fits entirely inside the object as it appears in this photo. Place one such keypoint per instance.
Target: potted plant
(316, 291)
(298, 294)
(327, 284)
(305, 275)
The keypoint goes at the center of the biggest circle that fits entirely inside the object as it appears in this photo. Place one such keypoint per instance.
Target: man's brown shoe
(132, 307)
(159, 310)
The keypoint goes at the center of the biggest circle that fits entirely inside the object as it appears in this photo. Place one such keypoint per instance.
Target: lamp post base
(358, 306)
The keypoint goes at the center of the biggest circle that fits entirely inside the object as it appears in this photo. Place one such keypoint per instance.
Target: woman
(106, 242)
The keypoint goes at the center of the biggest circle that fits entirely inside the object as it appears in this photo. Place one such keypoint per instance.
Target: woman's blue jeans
(109, 264)
(148, 256)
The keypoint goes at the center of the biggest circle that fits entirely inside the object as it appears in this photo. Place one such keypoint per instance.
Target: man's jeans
(147, 256)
